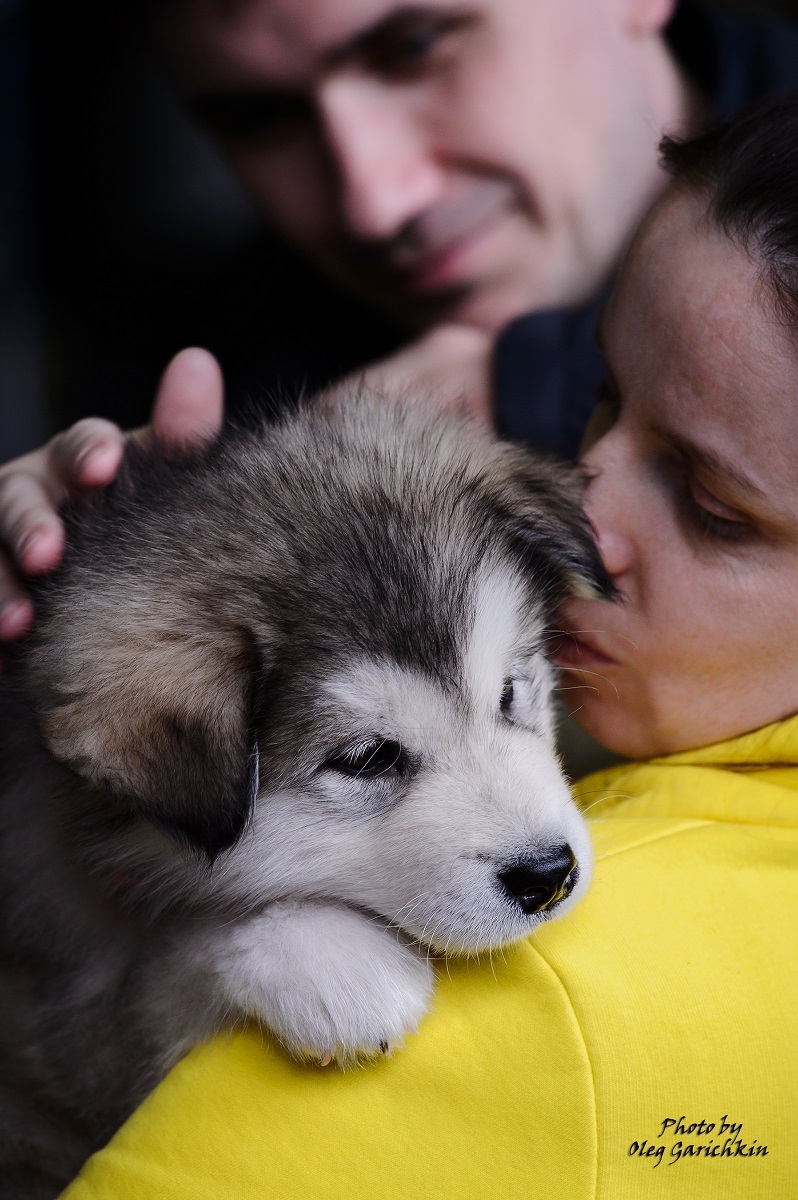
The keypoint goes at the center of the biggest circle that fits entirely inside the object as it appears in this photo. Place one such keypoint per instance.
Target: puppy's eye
(368, 760)
(507, 695)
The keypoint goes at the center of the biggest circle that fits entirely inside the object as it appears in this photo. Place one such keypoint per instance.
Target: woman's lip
(575, 651)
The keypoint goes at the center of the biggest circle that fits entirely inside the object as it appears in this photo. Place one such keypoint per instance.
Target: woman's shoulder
(557, 1065)
(750, 779)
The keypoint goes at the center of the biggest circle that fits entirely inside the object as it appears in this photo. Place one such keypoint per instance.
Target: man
(458, 164)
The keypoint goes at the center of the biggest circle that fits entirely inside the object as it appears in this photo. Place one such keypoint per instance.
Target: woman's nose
(387, 174)
(615, 550)
(608, 504)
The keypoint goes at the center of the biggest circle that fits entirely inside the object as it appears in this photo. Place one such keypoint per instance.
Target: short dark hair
(747, 168)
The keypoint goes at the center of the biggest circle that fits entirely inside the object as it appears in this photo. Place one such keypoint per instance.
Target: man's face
(694, 498)
(468, 161)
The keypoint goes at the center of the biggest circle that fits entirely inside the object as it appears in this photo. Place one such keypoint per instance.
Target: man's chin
(482, 307)
(489, 302)
(485, 304)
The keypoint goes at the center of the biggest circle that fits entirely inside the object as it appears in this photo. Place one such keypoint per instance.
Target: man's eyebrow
(705, 457)
(262, 105)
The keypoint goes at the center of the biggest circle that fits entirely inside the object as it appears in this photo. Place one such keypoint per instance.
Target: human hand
(188, 411)
(448, 367)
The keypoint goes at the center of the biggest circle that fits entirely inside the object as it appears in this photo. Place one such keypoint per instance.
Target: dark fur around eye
(376, 758)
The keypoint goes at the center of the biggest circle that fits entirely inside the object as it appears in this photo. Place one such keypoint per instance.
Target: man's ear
(160, 714)
(539, 504)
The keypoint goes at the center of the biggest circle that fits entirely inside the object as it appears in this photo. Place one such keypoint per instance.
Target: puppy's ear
(539, 503)
(153, 709)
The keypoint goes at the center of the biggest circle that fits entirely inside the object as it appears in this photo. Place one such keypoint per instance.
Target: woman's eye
(711, 516)
(370, 759)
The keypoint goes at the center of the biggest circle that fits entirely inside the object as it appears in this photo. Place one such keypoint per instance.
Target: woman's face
(694, 496)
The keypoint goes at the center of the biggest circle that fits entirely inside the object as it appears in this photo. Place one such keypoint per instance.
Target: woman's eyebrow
(708, 458)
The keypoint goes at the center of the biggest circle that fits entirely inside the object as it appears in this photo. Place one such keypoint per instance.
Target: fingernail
(15, 619)
(38, 550)
(94, 457)
(86, 453)
(28, 541)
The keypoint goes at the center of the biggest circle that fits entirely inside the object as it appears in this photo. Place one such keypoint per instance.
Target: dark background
(123, 238)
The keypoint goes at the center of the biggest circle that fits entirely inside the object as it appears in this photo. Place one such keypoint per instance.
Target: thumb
(189, 403)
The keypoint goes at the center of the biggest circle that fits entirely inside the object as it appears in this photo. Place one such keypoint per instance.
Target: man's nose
(386, 171)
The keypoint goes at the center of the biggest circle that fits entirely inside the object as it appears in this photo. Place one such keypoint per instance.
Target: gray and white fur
(283, 729)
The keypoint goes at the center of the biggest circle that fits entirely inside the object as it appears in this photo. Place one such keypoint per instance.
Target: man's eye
(238, 117)
(409, 43)
(370, 759)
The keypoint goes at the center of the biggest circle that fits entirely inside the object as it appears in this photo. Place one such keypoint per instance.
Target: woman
(642, 1046)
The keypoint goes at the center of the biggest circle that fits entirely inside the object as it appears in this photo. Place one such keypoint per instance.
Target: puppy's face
(432, 799)
(315, 660)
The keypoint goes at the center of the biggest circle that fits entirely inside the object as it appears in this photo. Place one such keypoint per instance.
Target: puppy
(283, 730)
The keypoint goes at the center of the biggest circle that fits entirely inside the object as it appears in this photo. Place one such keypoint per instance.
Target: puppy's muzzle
(539, 882)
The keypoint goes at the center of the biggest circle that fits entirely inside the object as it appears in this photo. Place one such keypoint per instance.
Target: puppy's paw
(330, 982)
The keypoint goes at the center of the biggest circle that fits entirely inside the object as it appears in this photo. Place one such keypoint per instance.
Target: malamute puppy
(284, 728)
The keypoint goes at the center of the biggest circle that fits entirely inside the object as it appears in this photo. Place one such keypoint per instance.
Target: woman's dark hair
(747, 168)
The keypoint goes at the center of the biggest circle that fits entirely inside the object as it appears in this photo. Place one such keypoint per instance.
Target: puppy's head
(260, 630)
(142, 681)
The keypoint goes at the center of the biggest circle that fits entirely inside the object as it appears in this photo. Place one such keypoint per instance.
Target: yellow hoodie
(644, 1046)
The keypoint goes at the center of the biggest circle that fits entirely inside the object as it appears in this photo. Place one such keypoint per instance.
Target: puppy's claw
(314, 1057)
(384, 1047)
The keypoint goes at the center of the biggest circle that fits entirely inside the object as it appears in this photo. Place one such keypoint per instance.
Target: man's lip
(441, 268)
(577, 651)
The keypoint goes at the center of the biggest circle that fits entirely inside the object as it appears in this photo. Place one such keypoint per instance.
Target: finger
(30, 526)
(16, 610)
(448, 368)
(189, 405)
(86, 455)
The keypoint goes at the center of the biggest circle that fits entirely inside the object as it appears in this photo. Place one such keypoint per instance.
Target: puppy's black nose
(537, 883)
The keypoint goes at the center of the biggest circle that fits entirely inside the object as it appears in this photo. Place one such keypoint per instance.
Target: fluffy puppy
(284, 727)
